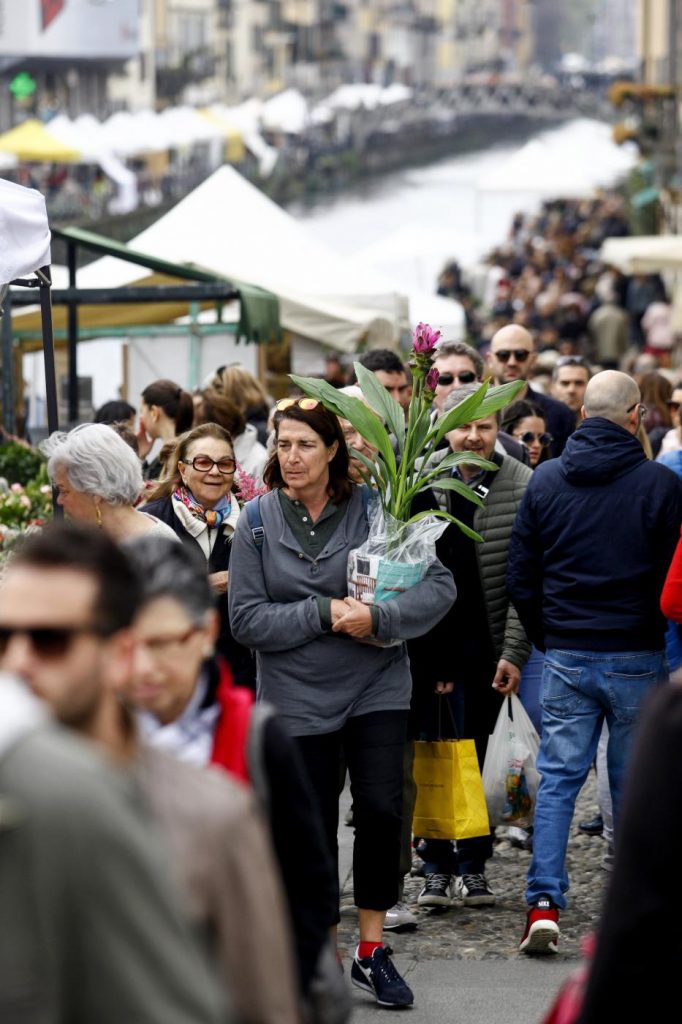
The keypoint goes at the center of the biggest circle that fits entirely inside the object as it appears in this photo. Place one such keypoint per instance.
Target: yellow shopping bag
(450, 800)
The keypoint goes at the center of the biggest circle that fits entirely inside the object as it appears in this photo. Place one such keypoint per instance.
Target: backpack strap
(255, 521)
(261, 713)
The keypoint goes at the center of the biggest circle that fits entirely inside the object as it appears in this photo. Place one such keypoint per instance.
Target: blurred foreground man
(66, 603)
(589, 553)
(91, 929)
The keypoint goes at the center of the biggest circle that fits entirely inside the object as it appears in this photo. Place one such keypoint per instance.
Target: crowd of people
(187, 682)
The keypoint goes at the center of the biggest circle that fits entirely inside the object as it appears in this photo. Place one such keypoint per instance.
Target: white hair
(97, 461)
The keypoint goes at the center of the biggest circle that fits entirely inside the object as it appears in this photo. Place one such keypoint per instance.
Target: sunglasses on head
(673, 406)
(571, 361)
(465, 377)
(529, 437)
(505, 354)
(302, 403)
(46, 641)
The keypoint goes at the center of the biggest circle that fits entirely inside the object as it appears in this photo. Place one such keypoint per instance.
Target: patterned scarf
(213, 517)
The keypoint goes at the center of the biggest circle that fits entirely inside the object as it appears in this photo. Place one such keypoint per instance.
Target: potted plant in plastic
(401, 544)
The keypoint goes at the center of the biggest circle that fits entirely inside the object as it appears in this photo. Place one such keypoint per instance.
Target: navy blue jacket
(592, 543)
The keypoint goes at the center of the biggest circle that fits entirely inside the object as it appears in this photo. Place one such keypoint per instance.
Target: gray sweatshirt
(318, 679)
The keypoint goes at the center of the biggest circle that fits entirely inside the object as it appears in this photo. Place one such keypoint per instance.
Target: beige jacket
(226, 869)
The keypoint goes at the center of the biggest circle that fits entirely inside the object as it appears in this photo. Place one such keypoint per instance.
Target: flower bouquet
(401, 544)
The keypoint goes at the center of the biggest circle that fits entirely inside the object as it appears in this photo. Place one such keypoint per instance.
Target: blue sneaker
(377, 974)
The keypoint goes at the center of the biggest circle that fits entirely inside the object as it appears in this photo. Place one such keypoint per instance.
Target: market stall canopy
(258, 308)
(24, 232)
(32, 142)
(563, 171)
(227, 227)
(286, 112)
(643, 254)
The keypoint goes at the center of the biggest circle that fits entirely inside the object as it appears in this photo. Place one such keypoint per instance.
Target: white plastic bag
(510, 776)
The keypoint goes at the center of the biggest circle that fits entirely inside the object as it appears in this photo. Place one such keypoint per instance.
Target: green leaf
(498, 397)
(464, 412)
(457, 458)
(382, 402)
(448, 484)
(466, 530)
(370, 467)
(356, 412)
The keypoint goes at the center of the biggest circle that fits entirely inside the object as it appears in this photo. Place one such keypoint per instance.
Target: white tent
(569, 164)
(24, 232)
(229, 227)
(643, 254)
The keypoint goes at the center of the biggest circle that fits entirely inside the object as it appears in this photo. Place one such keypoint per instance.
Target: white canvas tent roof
(229, 227)
(643, 254)
(24, 232)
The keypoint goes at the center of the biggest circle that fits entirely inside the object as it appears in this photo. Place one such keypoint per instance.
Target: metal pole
(45, 279)
(48, 350)
(7, 364)
(72, 344)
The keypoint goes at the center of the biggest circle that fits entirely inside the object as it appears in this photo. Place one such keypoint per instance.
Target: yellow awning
(234, 144)
(33, 143)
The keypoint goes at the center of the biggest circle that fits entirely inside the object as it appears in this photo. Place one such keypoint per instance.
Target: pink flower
(431, 382)
(17, 488)
(45, 489)
(424, 338)
(25, 500)
(247, 487)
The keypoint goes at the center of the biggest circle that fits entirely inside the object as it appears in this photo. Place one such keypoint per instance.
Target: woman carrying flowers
(335, 692)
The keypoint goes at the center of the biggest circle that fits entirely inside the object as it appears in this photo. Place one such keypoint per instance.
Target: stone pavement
(475, 950)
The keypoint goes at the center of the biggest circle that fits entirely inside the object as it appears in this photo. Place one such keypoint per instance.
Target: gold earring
(98, 516)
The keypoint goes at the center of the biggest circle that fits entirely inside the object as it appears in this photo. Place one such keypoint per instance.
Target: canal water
(410, 223)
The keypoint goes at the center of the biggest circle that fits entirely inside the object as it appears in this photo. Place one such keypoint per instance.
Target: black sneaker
(593, 827)
(437, 892)
(377, 974)
(474, 891)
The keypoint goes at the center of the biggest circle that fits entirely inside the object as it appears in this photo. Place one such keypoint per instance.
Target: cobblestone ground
(493, 933)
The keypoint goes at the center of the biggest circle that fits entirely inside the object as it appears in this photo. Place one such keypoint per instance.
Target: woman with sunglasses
(336, 692)
(525, 422)
(195, 500)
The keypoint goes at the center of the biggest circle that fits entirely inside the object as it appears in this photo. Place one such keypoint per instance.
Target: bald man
(589, 552)
(511, 357)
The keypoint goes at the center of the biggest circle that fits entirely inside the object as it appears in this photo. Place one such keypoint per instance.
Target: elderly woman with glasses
(526, 422)
(98, 478)
(195, 500)
(337, 692)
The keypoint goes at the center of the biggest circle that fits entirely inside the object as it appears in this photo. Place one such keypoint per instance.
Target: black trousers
(372, 746)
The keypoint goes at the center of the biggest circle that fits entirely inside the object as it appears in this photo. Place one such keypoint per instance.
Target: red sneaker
(542, 928)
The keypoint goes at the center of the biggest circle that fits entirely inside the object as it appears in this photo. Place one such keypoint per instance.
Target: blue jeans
(581, 689)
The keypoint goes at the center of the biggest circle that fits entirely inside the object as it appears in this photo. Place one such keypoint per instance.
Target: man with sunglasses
(92, 927)
(589, 553)
(511, 357)
(458, 365)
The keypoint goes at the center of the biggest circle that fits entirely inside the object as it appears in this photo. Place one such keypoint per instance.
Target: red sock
(366, 949)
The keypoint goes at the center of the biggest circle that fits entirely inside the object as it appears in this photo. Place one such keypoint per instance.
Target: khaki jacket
(226, 869)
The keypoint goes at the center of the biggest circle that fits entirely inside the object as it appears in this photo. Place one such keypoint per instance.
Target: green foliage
(19, 464)
(398, 483)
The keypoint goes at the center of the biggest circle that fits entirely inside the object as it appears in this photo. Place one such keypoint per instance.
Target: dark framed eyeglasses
(204, 464)
(308, 404)
(529, 437)
(47, 641)
(465, 377)
(505, 354)
(642, 409)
